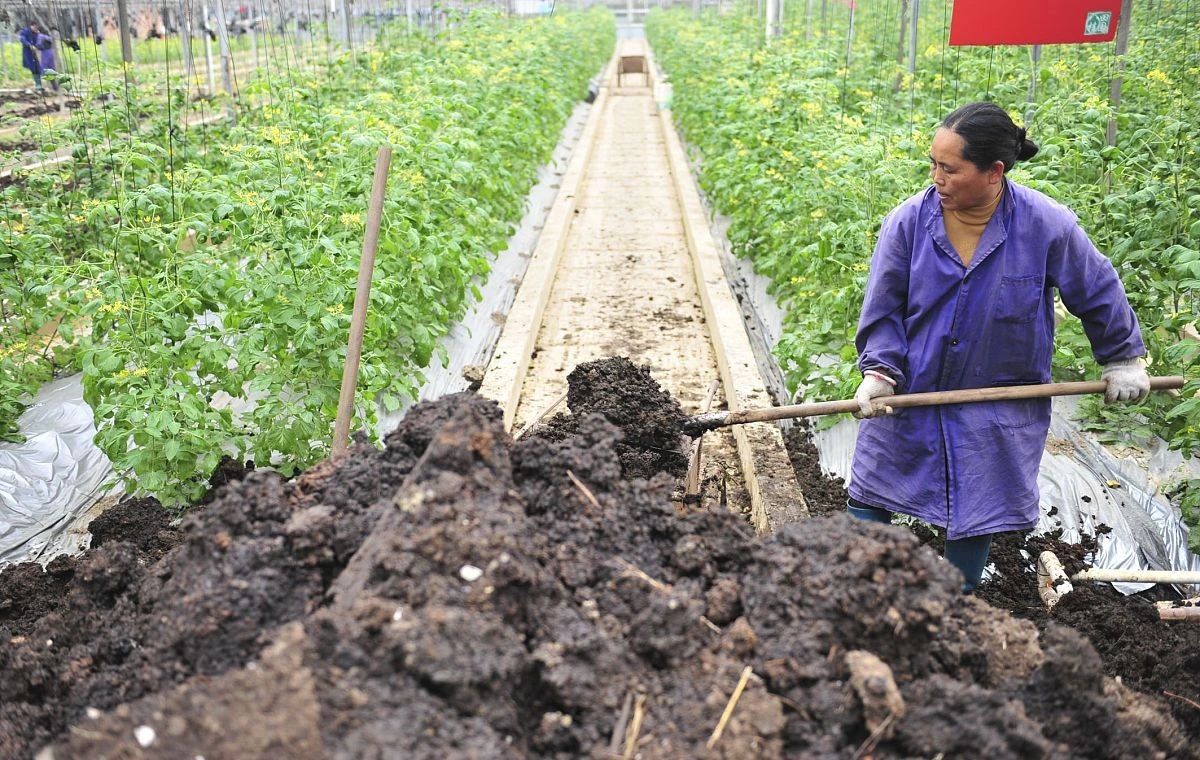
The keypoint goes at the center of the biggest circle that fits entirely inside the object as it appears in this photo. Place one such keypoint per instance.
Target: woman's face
(960, 184)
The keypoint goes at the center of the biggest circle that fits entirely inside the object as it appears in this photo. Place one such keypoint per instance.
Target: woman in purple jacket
(961, 295)
(29, 53)
(49, 62)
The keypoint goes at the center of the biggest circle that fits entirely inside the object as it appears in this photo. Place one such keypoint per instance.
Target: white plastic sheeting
(51, 483)
(56, 474)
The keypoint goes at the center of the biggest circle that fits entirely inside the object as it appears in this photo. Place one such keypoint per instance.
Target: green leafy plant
(207, 276)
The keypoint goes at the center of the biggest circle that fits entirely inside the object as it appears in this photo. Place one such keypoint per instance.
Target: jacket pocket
(1019, 413)
(1018, 299)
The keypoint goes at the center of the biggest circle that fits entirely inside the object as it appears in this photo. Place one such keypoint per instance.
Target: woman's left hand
(1127, 380)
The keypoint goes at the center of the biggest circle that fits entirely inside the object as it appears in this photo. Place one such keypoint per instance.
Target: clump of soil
(625, 394)
(824, 494)
(459, 595)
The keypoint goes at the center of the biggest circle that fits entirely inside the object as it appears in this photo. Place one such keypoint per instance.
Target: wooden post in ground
(362, 295)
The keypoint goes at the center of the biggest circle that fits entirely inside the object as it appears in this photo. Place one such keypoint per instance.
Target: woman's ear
(996, 173)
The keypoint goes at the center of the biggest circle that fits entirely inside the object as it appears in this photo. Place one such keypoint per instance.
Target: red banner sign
(1033, 22)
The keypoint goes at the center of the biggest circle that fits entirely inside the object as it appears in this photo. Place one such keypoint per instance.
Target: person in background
(30, 57)
(961, 295)
(47, 59)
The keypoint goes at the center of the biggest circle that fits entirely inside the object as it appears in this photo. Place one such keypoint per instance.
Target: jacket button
(954, 342)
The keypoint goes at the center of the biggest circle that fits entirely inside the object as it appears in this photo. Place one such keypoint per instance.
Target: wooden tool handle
(935, 398)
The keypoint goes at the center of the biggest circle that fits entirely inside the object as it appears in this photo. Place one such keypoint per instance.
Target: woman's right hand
(874, 385)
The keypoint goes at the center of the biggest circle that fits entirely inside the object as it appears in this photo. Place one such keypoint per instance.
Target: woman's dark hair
(990, 135)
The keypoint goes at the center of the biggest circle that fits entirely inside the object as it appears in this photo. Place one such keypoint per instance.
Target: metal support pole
(123, 26)
(850, 37)
(912, 47)
(185, 42)
(1114, 86)
(3, 59)
(770, 12)
(208, 58)
(346, 6)
(408, 15)
(1035, 57)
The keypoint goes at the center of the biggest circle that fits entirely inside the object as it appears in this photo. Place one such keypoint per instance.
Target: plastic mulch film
(52, 478)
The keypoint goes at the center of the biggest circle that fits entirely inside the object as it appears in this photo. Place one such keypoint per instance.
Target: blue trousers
(969, 555)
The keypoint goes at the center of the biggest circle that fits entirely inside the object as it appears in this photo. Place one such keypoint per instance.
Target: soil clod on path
(458, 595)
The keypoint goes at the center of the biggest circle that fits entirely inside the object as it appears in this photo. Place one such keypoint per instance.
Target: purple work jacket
(932, 325)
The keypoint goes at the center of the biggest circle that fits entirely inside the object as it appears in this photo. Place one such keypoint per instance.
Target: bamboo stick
(358, 322)
(691, 489)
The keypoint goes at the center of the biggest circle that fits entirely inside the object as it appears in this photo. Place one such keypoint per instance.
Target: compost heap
(457, 594)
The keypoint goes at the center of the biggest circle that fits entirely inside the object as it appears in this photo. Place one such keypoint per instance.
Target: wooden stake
(358, 323)
(733, 700)
(691, 489)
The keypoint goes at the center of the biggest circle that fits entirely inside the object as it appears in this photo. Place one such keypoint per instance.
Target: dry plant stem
(614, 744)
(545, 413)
(868, 746)
(635, 728)
(587, 493)
(733, 700)
(633, 571)
(1182, 699)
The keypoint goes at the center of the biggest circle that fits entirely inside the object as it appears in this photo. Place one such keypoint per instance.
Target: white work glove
(1127, 380)
(874, 385)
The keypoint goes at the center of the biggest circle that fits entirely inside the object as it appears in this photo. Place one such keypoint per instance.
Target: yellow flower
(1157, 75)
(350, 220)
(817, 213)
(335, 309)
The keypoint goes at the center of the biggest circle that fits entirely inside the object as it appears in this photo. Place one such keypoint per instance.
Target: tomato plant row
(220, 265)
(806, 153)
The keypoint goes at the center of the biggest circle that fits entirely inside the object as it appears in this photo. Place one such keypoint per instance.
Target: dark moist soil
(1146, 653)
(19, 146)
(649, 419)
(823, 494)
(460, 595)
